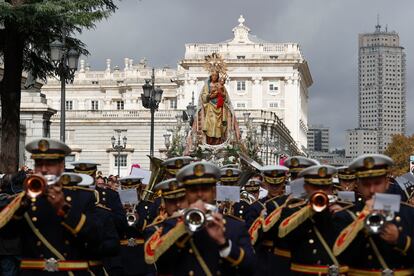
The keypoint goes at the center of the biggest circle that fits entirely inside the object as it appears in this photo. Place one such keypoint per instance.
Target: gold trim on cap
(47, 155)
(229, 179)
(319, 181)
(371, 173)
(347, 176)
(88, 172)
(275, 180)
(209, 180)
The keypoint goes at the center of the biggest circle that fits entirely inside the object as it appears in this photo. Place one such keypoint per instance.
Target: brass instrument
(157, 174)
(195, 219)
(320, 200)
(247, 197)
(376, 220)
(131, 214)
(35, 184)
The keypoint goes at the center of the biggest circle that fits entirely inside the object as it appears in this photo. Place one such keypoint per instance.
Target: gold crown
(229, 172)
(215, 63)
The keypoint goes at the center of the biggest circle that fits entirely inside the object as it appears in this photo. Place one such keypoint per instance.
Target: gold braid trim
(156, 245)
(234, 262)
(47, 155)
(319, 181)
(8, 212)
(272, 180)
(210, 180)
(371, 173)
(89, 172)
(254, 229)
(178, 191)
(273, 217)
(349, 233)
(293, 221)
(78, 227)
(346, 176)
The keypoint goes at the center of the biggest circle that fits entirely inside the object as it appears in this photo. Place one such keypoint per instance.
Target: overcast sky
(327, 31)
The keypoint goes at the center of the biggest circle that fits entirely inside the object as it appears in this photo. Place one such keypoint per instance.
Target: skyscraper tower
(382, 89)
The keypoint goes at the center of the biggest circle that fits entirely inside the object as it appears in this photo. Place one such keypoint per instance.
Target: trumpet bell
(131, 218)
(319, 201)
(35, 185)
(194, 220)
(374, 222)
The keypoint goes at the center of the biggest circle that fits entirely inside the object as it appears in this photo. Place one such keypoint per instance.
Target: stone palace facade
(268, 80)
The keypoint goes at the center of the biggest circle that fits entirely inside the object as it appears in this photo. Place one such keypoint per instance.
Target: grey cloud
(326, 29)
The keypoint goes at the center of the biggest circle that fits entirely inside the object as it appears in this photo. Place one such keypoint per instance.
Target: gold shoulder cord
(374, 247)
(200, 259)
(45, 241)
(325, 245)
(378, 253)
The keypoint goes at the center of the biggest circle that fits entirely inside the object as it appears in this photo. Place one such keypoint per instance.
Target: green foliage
(400, 150)
(39, 22)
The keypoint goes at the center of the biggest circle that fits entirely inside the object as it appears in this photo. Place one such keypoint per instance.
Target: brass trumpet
(248, 197)
(195, 219)
(320, 200)
(131, 215)
(376, 220)
(35, 184)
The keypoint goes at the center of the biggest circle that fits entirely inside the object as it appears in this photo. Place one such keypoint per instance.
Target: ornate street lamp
(167, 140)
(66, 63)
(151, 98)
(117, 146)
(191, 110)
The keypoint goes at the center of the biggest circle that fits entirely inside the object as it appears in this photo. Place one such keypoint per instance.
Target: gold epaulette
(294, 220)
(8, 212)
(233, 217)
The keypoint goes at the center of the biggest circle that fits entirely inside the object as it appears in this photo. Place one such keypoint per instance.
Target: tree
(399, 150)
(29, 26)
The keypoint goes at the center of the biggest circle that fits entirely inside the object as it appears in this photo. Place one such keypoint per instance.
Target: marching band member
(202, 241)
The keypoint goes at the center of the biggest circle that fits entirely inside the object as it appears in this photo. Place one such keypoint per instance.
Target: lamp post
(151, 98)
(66, 63)
(117, 146)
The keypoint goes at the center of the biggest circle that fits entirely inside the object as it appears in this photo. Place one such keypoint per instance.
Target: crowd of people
(302, 218)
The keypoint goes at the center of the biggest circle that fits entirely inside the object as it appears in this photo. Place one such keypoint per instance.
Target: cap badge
(322, 172)
(82, 167)
(173, 185)
(199, 170)
(179, 163)
(229, 172)
(294, 162)
(65, 179)
(43, 145)
(273, 173)
(369, 162)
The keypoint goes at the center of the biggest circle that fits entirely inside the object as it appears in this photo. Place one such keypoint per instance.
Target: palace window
(69, 105)
(241, 104)
(241, 85)
(120, 105)
(273, 104)
(173, 103)
(122, 160)
(94, 105)
(273, 87)
(241, 57)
